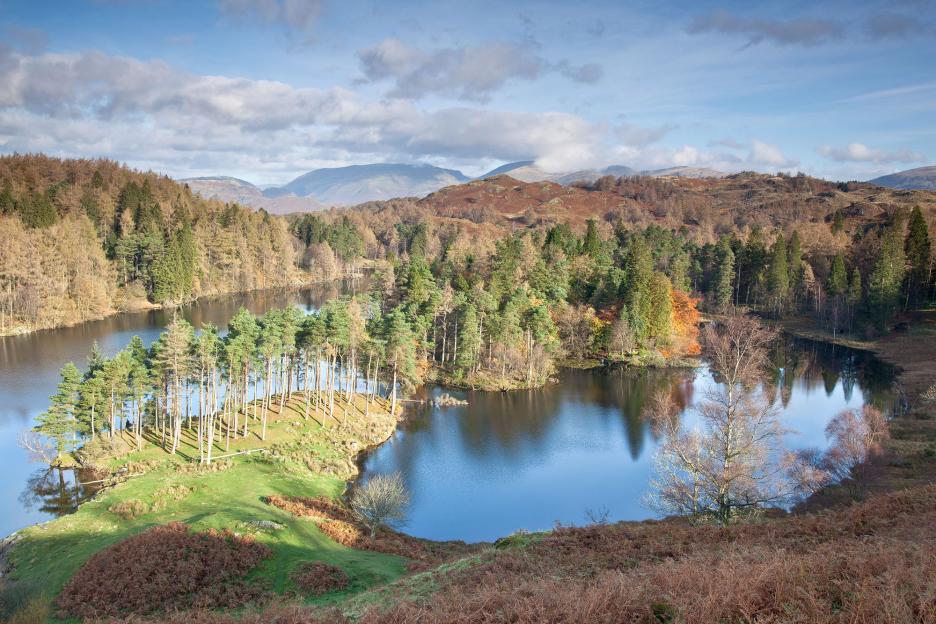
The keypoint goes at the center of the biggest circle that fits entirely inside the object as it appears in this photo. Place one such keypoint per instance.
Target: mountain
(527, 171)
(228, 189)
(921, 178)
(357, 184)
(684, 172)
(345, 186)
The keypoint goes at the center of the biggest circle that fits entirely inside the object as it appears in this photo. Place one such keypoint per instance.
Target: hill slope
(342, 186)
(923, 178)
(235, 190)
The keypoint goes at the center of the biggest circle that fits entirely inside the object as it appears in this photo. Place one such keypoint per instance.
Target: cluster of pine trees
(885, 269)
(223, 385)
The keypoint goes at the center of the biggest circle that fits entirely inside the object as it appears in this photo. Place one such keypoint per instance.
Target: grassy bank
(227, 495)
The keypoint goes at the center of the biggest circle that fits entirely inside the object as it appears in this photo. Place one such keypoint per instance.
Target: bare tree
(732, 463)
(856, 439)
(38, 447)
(380, 501)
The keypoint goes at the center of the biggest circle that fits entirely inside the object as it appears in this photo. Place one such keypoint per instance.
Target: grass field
(229, 495)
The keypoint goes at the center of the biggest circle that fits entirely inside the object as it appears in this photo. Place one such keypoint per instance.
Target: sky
(268, 89)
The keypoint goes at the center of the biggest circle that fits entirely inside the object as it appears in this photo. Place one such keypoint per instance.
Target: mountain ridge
(920, 178)
(356, 184)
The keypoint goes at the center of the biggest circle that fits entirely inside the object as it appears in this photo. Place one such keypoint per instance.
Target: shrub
(319, 578)
(166, 566)
(380, 501)
(129, 509)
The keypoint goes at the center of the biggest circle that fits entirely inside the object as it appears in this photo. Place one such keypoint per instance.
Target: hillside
(707, 206)
(923, 178)
(235, 190)
(82, 239)
(342, 186)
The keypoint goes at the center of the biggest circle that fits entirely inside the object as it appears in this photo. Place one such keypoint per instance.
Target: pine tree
(887, 277)
(469, 341)
(838, 277)
(660, 319)
(917, 249)
(591, 246)
(724, 279)
(778, 276)
(60, 423)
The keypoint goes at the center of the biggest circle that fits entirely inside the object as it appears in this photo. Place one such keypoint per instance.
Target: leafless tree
(732, 463)
(856, 438)
(381, 500)
(38, 447)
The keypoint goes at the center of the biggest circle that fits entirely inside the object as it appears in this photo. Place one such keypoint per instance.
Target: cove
(579, 449)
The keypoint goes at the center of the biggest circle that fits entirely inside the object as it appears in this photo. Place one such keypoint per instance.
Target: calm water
(29, 367)
(504, 462)
(527, 460)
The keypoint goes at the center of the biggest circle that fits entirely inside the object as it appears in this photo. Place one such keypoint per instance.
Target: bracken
(165, 566)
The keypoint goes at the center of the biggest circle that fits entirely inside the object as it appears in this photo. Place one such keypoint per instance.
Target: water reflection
(509, 461)
(29, 369)
(59, 491)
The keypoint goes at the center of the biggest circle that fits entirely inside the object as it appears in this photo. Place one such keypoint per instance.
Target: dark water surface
(580, 448)
(29, 374)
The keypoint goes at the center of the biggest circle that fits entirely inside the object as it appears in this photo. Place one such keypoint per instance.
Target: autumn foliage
(167, 566)
(685, 323)
(339, 523)
(868, 563)
(317, 578)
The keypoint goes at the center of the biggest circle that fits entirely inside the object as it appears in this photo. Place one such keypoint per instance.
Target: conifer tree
(724, 279)
(917, 249)
(887, 277)
(59, 423)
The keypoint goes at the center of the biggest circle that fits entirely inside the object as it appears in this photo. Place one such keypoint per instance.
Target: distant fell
(921, 178)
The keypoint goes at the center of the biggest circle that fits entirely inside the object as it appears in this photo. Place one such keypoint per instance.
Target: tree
(401, 352)
(724, 279)
(730, 465)
(778, 276)
(381, 500)
(917, 250)
(855, 439)
(59, 423)
(887, 277)
(469, 340)
(660, 299)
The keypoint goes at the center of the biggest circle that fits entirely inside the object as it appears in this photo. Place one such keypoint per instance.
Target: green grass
(48, 555)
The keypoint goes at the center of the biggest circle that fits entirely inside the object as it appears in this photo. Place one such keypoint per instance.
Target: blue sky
(267, 89)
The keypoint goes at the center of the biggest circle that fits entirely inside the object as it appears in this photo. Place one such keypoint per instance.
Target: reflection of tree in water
(57, 491)
(808, 364)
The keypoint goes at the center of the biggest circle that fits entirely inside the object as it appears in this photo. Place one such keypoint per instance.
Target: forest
(82, 239)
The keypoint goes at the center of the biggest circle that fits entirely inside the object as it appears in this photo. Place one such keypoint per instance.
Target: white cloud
(768, 154)
(859, 152)
(149, 112)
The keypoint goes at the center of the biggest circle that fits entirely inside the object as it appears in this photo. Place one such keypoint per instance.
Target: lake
(579, 449)
(29, 374)
(575, 449)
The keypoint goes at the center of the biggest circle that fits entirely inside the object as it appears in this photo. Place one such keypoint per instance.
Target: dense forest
(84, 238)
(80, 239)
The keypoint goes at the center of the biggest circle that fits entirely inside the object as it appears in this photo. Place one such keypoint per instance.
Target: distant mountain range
(356, 184)
(921, 178)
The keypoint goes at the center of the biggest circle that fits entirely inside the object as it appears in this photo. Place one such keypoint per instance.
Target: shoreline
(146, 306)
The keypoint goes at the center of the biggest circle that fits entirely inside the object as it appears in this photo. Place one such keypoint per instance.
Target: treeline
(223, 387)
(884, 270)
(81, 239)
